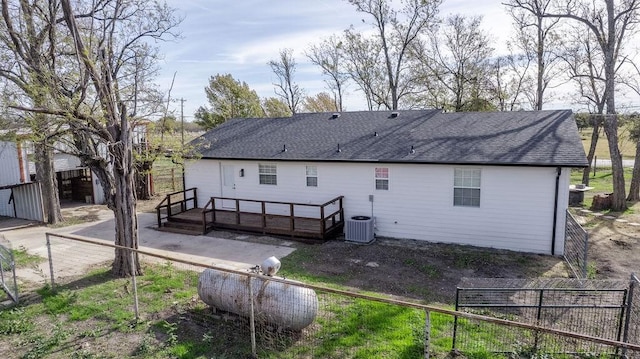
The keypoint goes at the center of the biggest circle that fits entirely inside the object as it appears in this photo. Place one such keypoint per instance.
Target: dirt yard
(430, 271)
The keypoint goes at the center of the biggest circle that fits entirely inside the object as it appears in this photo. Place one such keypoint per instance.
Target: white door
(228, 186)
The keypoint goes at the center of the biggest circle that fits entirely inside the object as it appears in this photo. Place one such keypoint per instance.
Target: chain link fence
(189, 307)
(632, 324)
(8, 282)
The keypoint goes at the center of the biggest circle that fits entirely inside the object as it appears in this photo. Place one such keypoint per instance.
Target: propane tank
(284, 304)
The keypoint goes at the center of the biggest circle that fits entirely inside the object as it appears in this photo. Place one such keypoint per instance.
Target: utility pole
(182, 100)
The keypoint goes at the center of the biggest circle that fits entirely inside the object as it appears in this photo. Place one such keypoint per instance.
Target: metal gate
(8, 270)
(576, 245)
(594, 308)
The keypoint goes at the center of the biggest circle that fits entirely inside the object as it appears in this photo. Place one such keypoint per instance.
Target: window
(267, 174)
(312, 176)
(466, 187)
(382, 178)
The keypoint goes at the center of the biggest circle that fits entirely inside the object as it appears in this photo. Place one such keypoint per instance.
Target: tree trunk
(592, 149)
(618, 201)
(46, 176)
(124, 206)
(126, 223)
(541, 66)
(634, 188)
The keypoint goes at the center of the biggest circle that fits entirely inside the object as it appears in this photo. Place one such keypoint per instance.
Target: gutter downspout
(555, 211)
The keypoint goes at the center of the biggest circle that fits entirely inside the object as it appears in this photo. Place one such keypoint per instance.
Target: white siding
(6, 208)
(9, 165)
(516, 206)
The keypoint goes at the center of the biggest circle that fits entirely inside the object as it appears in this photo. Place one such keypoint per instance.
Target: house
(19, 197)
(20, 194)
(486, 179)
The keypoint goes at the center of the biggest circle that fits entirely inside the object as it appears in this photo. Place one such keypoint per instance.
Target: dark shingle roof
(537, 138)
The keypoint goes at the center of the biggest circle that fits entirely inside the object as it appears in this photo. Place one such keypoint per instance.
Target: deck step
(196, 227)
(180, 218)
(181, 230)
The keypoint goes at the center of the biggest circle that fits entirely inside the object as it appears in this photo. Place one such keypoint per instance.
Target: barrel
(286, 305)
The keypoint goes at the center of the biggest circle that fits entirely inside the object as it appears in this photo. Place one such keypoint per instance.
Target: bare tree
(508, 74)
(633, 83)
(585, 67)
(363, 66)
(536, 37)
(329, 56)
(611, 23)
(458, 59)
(286, 88)
(396, 31)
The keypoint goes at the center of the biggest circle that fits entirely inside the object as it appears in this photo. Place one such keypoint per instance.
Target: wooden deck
(256, 216)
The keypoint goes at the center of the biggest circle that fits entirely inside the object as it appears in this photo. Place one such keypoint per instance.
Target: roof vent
(339, 150)
(375, 134)
(394, 114)
(412, 151)
(335, 115)
(284, 148)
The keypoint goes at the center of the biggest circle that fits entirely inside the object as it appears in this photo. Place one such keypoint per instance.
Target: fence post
(50, 260)
(627, 320)
(585, 255)
(427, 333)
(252, 319)
(134, 283)
(173, 180)
(455, 321)
(15, 279)
(1, 267)
(538, 317)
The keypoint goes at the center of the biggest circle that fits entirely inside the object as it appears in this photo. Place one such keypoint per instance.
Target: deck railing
(176, 202)
(295, 215)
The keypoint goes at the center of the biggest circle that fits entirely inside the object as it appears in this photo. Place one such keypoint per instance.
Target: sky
(240, 37)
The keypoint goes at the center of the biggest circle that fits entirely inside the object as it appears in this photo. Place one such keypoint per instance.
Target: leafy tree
(168, 124)
(275, 107)
(29, 52)
(321, 102)
(228, 98)
(286, 88)
(92, 83)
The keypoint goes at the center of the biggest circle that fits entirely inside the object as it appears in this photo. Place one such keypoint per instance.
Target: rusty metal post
(135, 285)
(252, 319)
(50, 260)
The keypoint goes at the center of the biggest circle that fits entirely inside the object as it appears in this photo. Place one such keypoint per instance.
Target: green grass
(601, 182)
(23, 259)
(626, 145)
(98, 309)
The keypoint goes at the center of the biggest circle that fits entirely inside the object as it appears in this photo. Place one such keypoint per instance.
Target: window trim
(465, 175)
(382, 179)
(307, 176)
(263, 174)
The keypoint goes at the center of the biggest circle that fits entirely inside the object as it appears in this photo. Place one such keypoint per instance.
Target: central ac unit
(359, 229)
